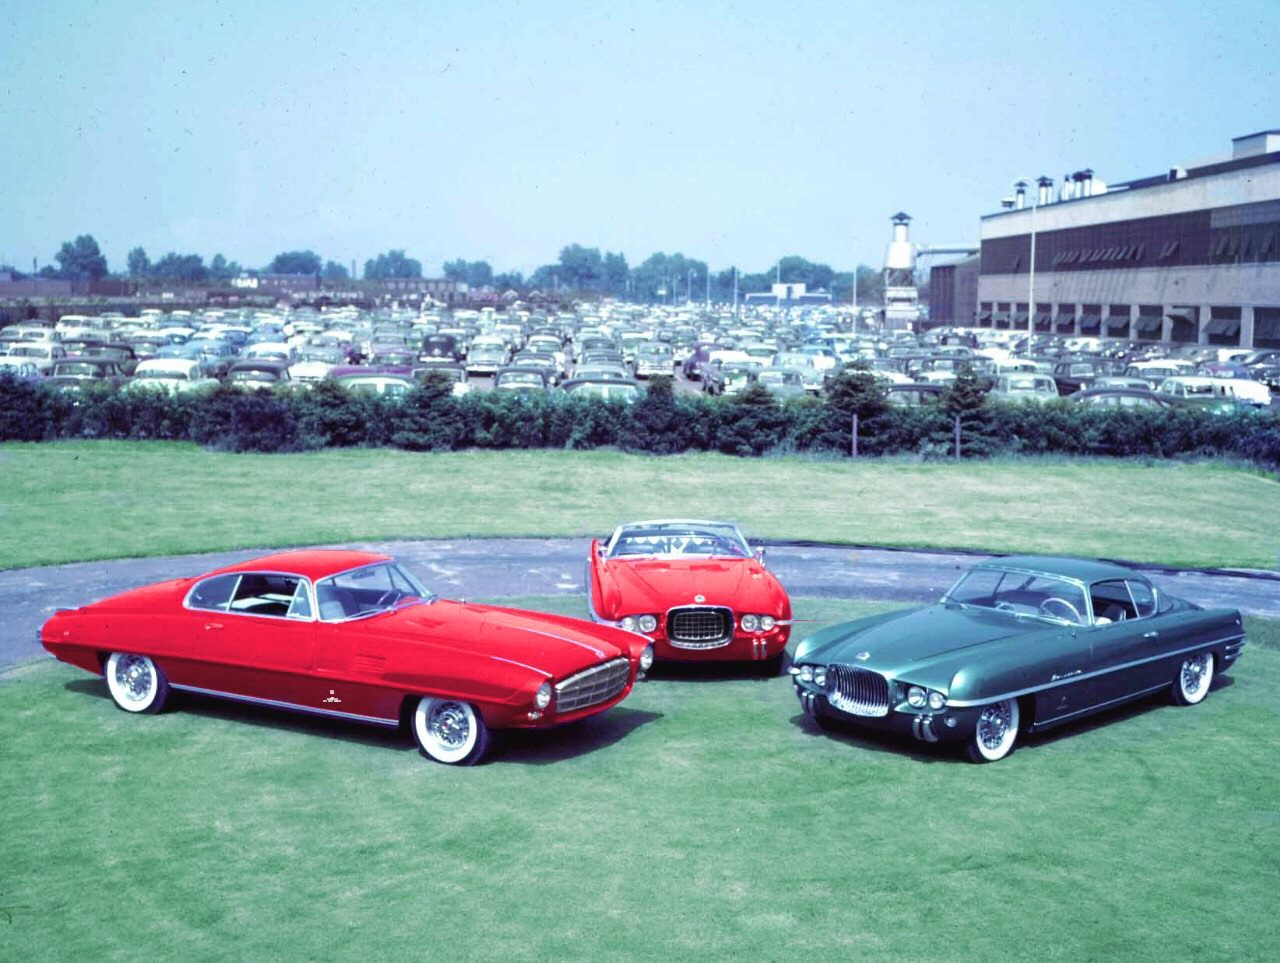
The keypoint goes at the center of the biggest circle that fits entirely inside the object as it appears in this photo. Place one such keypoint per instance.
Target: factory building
(1190, 256)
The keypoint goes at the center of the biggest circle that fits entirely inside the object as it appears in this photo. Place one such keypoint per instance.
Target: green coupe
(1017, 645)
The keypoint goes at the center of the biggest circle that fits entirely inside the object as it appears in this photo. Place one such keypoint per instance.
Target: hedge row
(661, 422)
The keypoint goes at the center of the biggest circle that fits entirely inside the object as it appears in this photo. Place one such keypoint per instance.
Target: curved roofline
(315, 563)
(1063, 566)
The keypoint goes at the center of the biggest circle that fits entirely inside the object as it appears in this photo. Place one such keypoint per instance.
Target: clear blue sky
(732, 132)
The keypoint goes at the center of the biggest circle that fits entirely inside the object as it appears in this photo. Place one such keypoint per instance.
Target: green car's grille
(598, 684)
(859, 692)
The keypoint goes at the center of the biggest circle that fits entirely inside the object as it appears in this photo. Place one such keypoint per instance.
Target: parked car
(695, 587)
(169, 374)
(355, 636)
(1122, 398)
(522, 379)
(1035, 388)
(258, 373)
(1017, 645)
(441, 349)
(610, 388)
(783, 382)
(74, 374)
(376, 383)
(913, 395)
(726, 379)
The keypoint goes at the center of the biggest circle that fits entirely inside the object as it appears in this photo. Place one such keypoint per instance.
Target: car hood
(904, 641)
(551, 645)
(655, 585)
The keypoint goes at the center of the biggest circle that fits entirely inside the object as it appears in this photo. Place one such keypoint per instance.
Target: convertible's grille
(699, 628)
(597, 684)
(859, 692)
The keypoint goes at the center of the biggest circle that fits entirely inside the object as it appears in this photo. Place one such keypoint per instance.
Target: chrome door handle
(1150, 635)
(212, 625)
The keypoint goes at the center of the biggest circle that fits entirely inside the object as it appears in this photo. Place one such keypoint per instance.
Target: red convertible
(696, 588)
(351, 635)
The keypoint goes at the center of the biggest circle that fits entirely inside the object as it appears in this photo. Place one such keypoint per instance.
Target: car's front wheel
(450, 731)
(136, 683)
(1195, 675)
(996, 732)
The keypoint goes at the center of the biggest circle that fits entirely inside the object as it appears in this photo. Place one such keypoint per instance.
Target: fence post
(853, 437)
(957, 437)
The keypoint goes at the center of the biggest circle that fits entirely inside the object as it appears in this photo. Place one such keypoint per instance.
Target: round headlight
(542, 698)
(820, 676)
(916, 697)
(647, 623)
(629, 623)
(937, 700)
(767, 622)
(750, 623)
(646, 658)
(806, 673)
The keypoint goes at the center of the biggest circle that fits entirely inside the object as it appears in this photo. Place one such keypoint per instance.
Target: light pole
(1020, 186)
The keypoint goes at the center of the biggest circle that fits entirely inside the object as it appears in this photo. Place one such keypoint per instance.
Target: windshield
(1025, 594)
(679, 538)
(368, 591)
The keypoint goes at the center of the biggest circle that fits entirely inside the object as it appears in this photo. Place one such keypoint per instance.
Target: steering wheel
(1052, 600)
(391, 592)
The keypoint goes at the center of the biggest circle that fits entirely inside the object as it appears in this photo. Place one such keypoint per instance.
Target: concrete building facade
(1192, 256)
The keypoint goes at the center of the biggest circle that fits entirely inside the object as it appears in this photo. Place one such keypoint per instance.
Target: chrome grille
(698, 627)
(597, 684)
(859, 692)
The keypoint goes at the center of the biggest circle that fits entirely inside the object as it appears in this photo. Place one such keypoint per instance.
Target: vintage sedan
(350, 635)
(696, 588)
(1016, 646)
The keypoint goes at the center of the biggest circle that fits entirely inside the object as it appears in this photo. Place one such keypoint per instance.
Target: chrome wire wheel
(996, 731)
(450, 731)
(1195, 676)
(135, 682)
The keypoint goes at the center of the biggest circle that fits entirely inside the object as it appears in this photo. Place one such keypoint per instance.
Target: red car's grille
(859, 692)
(597, 684)
(699, 627)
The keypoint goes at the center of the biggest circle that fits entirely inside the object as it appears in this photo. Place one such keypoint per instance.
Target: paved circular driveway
(493, 568)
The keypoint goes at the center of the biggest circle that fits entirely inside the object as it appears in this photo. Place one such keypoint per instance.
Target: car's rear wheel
(450, 731)
(136, 683)
(996, 731)
(1195, 675)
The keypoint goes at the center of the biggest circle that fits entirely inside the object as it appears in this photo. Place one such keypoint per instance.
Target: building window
(1184, 324)
(1266, 327)
(1224, 326)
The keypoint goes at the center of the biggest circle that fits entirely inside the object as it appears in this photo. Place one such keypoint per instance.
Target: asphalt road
(493, 568)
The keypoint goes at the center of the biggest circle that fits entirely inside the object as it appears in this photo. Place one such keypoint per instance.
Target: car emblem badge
(699, 598)
(863, 656)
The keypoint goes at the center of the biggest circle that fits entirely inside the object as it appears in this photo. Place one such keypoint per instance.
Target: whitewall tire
(996, 732)
(1195, 676)
(450, 731)
(136, 683)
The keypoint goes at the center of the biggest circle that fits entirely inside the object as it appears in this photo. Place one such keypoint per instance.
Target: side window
(300, 607)
(1111, 602)
(213, 593)
(1143, 597)
(259, 594)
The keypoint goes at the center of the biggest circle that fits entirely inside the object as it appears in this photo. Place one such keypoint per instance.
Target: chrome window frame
(227, 610)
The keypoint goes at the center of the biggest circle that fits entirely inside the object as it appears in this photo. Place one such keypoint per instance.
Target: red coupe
(696, 588)
(351, 635)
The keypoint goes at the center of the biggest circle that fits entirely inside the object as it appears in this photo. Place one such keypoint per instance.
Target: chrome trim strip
(1103, 705)
(1071, 680)
(275, 704)
(498, 658)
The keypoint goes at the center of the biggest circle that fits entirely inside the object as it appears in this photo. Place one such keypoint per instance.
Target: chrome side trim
(1096, 707)
(1071, 680)
(293, 706)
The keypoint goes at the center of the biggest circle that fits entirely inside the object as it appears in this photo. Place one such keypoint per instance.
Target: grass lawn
(701, 819)
(89, 500)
